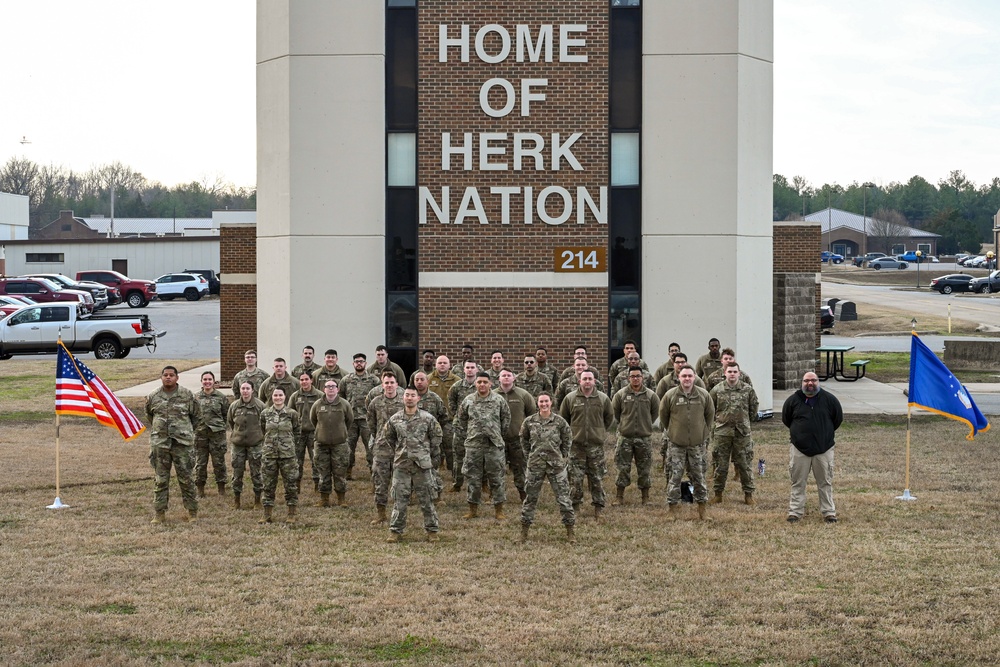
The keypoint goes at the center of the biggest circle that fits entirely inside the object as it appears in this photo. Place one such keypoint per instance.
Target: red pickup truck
(136, 293)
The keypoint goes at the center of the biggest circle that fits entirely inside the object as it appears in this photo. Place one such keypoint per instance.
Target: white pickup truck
(37, 329)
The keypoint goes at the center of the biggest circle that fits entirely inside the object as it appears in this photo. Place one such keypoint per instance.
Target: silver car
(887, 263)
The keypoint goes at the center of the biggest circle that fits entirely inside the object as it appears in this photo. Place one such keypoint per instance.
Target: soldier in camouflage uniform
(440, 382)
(482, 419)
(308, 365)
(580, 352)
(686, 413)
(546, 440)
(354, 389)
(669, 381)
(255, 376)
(667, 367)
(432, 404)
(172, 414)
(719, 376)
(521, 404)
(621, 380)
(497, 364)
(280, 378)
(588, 412)
(457, 394)
(428, 359)
(635, 407)
(415, 438)
(572, 383)
(735, 407)
(245, 438)
(545, 368)
(330, 369)
(532, 380)
(625, 362)
(210, 435)
(711, 361)
(281, 431)
(302, 402)
(382, 364)
(332, 416)
(380, 408)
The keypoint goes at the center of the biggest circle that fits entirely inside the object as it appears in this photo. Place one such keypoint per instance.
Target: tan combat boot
(236, 501)
(432, 537)
(324, 500)
(222, 488)
(597, 512)
(570, 535)
(267, 515)
(201, 490)
(161, 517)
(701, 511)
(619, 497)
(192, 516)
(256, 500)
(393, 538)
(748, 499)
(524, 532)
(717, 500)
(380, 518)
(473, 511)
(340, 499)
(674, 512)
(645, 496)
(315, 486)
(293, 511)
(498, 512)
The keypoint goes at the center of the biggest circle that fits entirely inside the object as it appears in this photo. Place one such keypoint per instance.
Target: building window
(401, 160)
(67, 227)
(624, 321)
(44, 258)
(624, 158)
(401, 66)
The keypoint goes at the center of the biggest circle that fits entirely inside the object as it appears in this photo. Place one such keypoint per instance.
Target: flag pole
(57, 504)
(906, 490)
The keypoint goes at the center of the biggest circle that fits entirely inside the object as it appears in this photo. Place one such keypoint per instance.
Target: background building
(13, 216)
(849, 234)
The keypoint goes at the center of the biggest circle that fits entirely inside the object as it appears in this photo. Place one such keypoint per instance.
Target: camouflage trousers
(558, 480)
(381, 470)
(587, 462)
(162, 458)
(692, 460)
(484, 460)
(458, 454)
(639, 450)
(359, 430)
(408, 479)
(332, 462)
(516, 462)
(288, 468)
(210, 444)
(447, 446)
(738, 449)
(241, 455)
(306, 445)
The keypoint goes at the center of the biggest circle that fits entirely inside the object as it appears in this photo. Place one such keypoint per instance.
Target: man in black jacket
(812, 417)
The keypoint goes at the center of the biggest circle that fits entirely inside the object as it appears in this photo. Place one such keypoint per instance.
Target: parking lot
(192, 327)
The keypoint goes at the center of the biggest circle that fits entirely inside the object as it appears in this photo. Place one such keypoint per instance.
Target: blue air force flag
(934, 388)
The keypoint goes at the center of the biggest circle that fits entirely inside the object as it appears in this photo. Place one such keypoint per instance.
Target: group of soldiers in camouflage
(539, 423)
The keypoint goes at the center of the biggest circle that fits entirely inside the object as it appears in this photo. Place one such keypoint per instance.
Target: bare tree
(887, 228)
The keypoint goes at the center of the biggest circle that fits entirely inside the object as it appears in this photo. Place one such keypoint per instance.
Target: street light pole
(918, 268)
(864, 211)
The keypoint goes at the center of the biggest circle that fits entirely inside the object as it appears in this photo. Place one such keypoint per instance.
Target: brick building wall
(237, 295)
(515, 320)
(796, 301)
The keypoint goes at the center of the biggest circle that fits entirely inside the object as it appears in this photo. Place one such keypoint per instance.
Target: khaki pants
(821, 466)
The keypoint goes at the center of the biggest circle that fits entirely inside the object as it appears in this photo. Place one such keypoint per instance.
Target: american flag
(80, 392)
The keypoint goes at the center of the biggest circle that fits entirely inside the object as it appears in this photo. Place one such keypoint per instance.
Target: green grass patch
(114, 608)
(409, 648)
(24, 387)
(895, 367)
(29, 415)
(201, 652)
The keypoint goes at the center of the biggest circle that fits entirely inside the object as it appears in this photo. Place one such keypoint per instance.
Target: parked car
(136, 293)
(17, 300)
(867, 257)
(887, 263)
(826, 318)
(911, 256)
(46, 291)
(36, 330)
(953, 282)
(827, 256)
(97, 290)
(172, 285)
(975, 262)
(986, 284)
(209, 275)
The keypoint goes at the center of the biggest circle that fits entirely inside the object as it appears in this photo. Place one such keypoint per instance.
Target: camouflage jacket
(171, 416)
(354, 389)
(720, 376)
(621, 381)
(377, 371)
(255, 377)
(310, 368)
(415, 437)
(706, 365)
(483, 417)
(380, 409)
(432, 404)
(213, 407)
(547, 440)
(281, 431)
(322, 374)
(288, 383)
(534, 384)
(457, 394)
(244, 422)
(735, 408)
(549, 371)
(302, 402)
(620, 365)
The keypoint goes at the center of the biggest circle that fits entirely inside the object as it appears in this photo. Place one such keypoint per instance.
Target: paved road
(982, 309)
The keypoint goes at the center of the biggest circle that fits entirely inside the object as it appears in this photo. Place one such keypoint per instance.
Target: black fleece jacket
(812, 421)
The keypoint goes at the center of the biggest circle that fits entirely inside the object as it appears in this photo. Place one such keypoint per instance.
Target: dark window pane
(401, 320)
(404, 3)
(625, 235)
(401, 69)
(626, 70)
(401, 239)
(406, 357)
(624, 322)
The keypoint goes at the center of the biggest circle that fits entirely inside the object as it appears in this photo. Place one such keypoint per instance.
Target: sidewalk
(190, 379)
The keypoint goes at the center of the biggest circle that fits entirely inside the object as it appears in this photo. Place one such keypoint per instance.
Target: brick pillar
(237, 295)
(796, 301)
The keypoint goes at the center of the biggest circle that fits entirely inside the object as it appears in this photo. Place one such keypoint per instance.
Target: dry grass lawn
(848, 273)
(892, 583)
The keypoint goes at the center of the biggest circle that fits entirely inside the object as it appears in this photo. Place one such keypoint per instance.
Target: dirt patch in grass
(892, 583)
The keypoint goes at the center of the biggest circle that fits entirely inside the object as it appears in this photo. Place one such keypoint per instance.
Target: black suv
(209, 275)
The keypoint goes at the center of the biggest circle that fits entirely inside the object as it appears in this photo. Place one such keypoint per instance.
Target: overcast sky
(876, 90)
